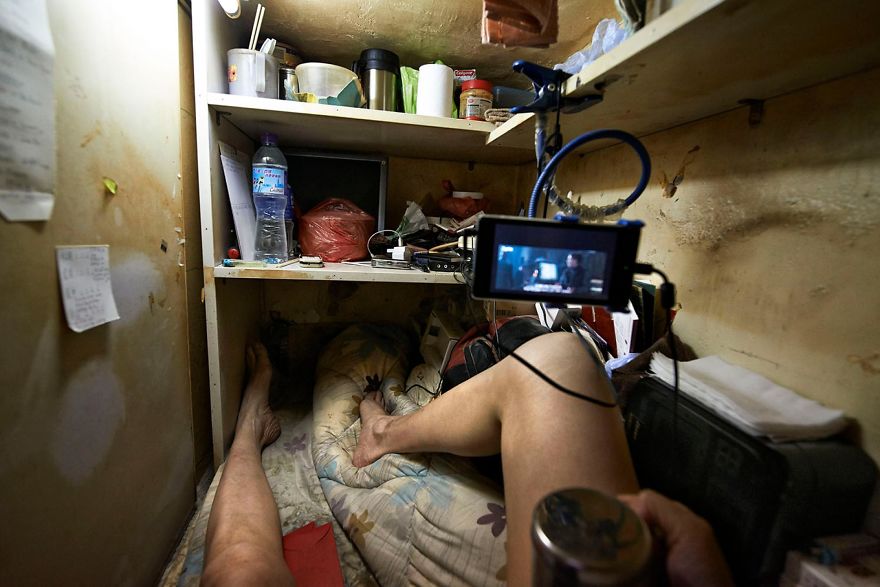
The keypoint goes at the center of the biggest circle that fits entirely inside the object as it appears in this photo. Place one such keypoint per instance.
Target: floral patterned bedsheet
(423, 519)
(291, 473)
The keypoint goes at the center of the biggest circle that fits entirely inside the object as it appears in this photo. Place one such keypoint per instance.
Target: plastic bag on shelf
(337, 230)
(409, 82)
(608, 35)
(413, 220)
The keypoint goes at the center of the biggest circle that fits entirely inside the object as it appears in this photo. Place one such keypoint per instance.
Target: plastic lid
(269, 138)
(476, 84)
(379, 59)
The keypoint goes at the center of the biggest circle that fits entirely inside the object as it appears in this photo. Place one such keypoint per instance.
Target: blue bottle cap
(269, 138)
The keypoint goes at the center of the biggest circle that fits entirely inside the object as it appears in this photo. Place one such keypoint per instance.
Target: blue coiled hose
(595, 135)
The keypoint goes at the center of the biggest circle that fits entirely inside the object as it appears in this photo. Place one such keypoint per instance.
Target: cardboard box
(508, 309)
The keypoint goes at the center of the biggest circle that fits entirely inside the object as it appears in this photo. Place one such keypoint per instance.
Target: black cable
(539, 373)
(667, 302)
(433, 394)
(559, 387)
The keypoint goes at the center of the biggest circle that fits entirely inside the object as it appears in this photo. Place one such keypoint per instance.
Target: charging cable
(400, 246)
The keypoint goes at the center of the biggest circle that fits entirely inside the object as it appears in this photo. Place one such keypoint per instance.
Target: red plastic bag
(461, 208)
(337, 230)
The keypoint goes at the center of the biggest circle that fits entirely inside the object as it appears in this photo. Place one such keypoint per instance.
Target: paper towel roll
(435, 90)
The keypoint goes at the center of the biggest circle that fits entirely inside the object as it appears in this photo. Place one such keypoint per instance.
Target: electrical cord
(667, 302)
(547, 172)
(541, 374)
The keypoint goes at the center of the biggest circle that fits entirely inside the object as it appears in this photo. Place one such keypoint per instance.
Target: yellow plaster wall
(771, 236)
(96, 447)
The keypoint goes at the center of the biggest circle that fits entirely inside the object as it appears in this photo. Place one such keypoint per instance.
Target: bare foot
(374, 421)
(255, 417)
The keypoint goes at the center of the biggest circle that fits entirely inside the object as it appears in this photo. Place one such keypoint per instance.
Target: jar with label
(476, 98)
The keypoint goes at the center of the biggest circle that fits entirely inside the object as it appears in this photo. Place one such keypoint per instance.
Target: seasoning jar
(476, 98)
(583, 537)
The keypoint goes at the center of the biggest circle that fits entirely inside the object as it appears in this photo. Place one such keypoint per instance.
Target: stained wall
(771, 237)
(96, 447)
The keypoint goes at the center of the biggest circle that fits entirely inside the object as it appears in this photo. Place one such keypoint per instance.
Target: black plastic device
(443, 262)
(762, 499)
(550, 261)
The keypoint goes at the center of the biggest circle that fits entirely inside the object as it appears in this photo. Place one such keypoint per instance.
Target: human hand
(692, 555)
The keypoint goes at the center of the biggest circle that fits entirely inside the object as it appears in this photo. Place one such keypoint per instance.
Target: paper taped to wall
(27, 111)
(237, 170)
(84, 275)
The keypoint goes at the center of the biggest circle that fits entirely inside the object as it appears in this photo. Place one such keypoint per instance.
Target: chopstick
(258, 22)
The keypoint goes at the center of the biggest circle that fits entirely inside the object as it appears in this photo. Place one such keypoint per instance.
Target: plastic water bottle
(270, 200)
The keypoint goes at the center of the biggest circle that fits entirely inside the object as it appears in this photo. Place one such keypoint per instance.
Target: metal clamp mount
(547, 84)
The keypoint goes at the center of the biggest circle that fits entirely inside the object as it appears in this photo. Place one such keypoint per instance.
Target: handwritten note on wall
(84, 273)
(27, 111)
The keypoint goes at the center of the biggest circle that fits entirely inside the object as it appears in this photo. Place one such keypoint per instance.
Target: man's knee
(245, 565)
(560, 353)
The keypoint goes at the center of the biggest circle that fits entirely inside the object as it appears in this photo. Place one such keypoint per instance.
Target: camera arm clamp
(548, 84)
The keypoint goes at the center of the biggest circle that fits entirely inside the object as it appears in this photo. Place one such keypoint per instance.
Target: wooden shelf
(704, 57)
(322, 127)
(338, 272)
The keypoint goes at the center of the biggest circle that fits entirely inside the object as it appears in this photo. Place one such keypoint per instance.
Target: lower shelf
(339, 272)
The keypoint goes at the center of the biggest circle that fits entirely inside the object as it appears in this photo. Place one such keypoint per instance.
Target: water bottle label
(269, 180)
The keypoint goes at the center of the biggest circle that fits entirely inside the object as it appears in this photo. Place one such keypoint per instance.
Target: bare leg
(547, 440)
(243, 545)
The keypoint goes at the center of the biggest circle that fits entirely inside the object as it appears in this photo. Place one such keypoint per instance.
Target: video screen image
(545, 270)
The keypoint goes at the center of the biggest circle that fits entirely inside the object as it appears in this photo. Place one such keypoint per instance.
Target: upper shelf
(704, 57)
(318, 126)
(339, 272)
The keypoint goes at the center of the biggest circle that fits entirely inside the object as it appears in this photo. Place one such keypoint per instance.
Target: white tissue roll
(435, 90)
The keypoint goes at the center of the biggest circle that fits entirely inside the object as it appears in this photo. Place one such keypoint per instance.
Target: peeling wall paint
(92, 425)
(92, 410)
(771, 237)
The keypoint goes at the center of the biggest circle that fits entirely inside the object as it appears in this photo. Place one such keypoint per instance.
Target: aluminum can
(584, 537)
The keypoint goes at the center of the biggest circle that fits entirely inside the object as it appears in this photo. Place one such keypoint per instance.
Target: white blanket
(750, 401)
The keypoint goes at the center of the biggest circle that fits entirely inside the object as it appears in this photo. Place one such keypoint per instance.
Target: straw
(259, 25)
(255, 31)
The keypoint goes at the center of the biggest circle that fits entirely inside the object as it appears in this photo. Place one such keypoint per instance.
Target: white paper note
(237, 170)
(27, 111)
(84, 275)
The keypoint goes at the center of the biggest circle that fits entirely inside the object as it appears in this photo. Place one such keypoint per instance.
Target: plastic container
(324, 79)
(252, 73)
(476, 98)
(270, 200)
(505, 97)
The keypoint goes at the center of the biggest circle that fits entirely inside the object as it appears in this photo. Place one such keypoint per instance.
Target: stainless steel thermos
(584, 537)
(379, 71)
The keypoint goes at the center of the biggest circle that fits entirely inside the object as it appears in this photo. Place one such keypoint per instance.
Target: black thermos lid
(379, 59)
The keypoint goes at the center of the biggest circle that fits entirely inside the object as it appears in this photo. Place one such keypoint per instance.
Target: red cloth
(310, 554)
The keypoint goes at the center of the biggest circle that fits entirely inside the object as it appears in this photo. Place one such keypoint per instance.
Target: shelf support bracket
(756, 111)
(219, 115)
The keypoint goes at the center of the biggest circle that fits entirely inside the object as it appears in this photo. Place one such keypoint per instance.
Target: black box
(761, 498)
(315, 176)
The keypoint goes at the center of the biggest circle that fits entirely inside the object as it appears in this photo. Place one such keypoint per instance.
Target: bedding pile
(415, 519)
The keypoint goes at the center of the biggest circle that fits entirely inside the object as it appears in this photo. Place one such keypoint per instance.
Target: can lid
(590, 535)
(476, 84)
